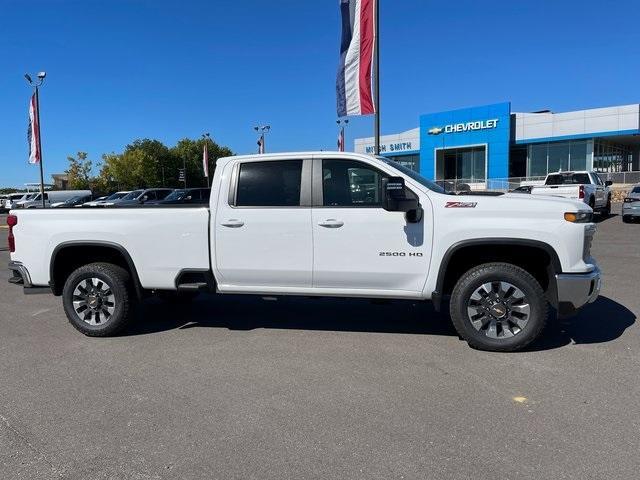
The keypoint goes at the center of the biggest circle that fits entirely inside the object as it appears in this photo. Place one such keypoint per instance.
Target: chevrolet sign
(465, 127)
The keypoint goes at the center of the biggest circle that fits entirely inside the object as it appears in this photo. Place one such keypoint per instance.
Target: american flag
(205, 160)
(33, 132)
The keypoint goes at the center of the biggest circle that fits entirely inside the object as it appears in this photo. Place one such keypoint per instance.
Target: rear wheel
(97, 300)
(498, 307)
(626, 218)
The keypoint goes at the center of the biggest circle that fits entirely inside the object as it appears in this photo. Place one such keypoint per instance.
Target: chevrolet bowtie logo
(435, 130)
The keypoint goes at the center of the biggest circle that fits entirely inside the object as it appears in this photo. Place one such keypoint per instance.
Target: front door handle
(233, 223)
(331, 223)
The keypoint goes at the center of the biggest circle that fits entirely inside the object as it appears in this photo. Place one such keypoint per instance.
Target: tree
(190, 152)
(79, 172)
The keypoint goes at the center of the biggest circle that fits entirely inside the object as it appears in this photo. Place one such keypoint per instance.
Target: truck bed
(164, 240)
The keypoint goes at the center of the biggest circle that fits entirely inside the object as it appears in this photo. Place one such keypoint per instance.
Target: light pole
(262, 130)
(342, 123)
(36, 85)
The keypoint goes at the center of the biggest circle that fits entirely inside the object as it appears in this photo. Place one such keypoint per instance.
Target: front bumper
(21, 277)
(577, 289)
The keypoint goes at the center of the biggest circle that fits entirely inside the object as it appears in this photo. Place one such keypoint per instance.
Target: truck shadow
(603, 321)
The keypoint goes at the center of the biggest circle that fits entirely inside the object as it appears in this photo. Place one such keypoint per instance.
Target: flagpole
(376, 72)
(40, 147)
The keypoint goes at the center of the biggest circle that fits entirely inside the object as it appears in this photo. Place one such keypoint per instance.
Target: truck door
(601, 199)
(263, 226)
(357, 244)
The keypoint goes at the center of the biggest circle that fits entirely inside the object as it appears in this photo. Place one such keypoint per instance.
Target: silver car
(631, 205)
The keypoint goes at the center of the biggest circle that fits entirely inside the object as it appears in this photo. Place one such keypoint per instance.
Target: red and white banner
(341, 140)
(33, 133)
(353, 86)
(205, 160)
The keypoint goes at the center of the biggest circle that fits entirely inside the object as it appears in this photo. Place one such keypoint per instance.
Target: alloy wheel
(498, 309)
(93, 301)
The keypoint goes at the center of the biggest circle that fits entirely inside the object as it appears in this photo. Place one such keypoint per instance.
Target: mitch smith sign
(465, 127)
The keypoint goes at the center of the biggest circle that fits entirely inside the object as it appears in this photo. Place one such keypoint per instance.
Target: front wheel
(96, 299)
(498, 307)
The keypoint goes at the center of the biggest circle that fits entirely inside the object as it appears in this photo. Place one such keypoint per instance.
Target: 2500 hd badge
(400, 254)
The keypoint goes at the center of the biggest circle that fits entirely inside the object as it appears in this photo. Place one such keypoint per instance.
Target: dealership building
(491, 142)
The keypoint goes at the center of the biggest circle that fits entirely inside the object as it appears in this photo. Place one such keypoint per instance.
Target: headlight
(578, 217)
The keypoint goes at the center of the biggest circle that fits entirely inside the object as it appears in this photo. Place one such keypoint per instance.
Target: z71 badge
(460, 205)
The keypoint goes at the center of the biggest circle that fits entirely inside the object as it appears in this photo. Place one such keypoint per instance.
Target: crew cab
(320, 224)
(585, 186)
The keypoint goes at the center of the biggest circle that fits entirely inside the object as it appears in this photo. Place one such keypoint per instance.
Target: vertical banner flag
(261, 144)
(205, 160)
(341, 140)
(33, 132)
(354, 86)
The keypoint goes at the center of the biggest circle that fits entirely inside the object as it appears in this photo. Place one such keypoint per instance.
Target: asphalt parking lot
(239, 387)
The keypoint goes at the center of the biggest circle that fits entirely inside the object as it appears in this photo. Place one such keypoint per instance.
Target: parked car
(51, 197)
(103, 200)
(585, 186)
(14, 198)
(631, 205)
(186, 196)
(72, 202)
(138, 197)
(3, 198)
(291, 224)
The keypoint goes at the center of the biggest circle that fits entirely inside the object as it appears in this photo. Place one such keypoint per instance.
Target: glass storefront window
(578, 156)
(558, 157)
(537, 160)
(461, 164)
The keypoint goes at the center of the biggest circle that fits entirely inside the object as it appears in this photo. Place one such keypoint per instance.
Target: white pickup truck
(587, 187)
(325, 224)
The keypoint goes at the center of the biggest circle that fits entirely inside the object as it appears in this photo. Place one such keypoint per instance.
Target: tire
(507, 325)
(181, 298)
(106, 288)
(626, 218)
(592, 203)
(606, 211)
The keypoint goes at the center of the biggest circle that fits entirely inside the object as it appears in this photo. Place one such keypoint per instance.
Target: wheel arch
(78, 253)
(468, 253)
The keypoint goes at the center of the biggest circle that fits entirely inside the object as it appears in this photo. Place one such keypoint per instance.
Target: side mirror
(188, 198)
(608, 183)
(395, 199)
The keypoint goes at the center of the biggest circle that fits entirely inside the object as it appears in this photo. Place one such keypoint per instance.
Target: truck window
(568, 179)
(347, 183)
(269, 184)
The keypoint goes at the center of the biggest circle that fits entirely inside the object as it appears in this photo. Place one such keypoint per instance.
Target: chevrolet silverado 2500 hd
(326, 224)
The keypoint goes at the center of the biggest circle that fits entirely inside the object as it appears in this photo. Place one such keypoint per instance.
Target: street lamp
(262, 130)
(342, 123)
(36, 85)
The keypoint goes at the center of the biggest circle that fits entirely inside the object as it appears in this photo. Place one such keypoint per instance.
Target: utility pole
(376, 72)
(41, 76)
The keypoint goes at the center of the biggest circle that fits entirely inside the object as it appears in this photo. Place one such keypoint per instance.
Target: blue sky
(121, 70)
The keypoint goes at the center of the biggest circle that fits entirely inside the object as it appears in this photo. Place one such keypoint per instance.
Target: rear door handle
(331, 223)
(233, 223)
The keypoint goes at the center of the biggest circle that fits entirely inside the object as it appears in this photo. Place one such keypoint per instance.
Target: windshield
(116, 196)
(635, 190)
(132, 195)
(413, 175)
(177, 195)
(568, 179)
